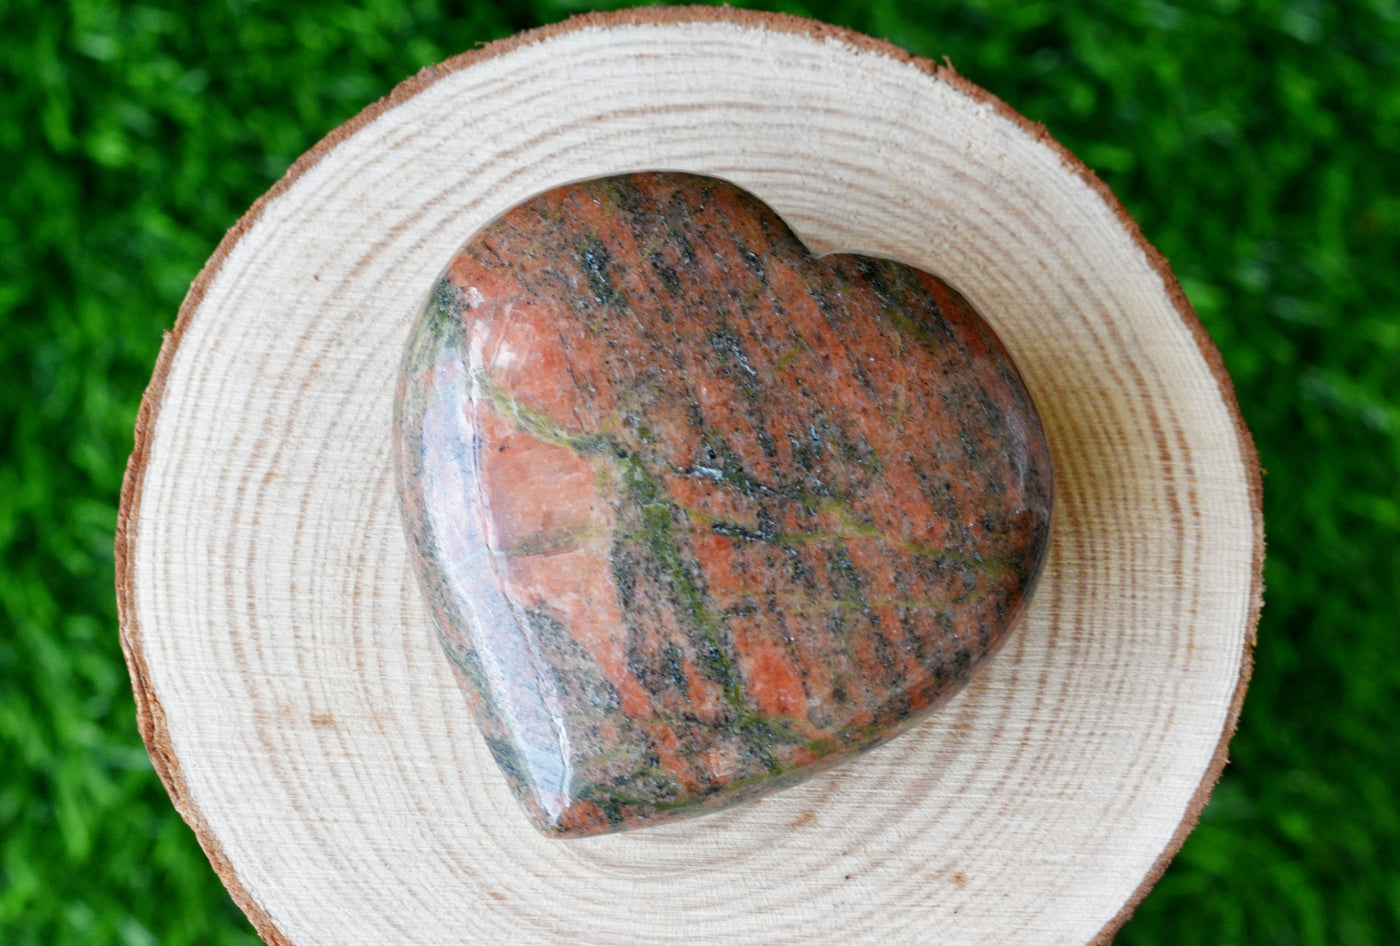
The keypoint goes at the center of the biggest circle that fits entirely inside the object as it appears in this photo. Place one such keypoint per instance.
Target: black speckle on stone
(593, 258)
(673, 667)
(765, 443)
(755, 265)
(670, 280)
(624, 568)
(446, 300)
(961, 662)
(746, 606)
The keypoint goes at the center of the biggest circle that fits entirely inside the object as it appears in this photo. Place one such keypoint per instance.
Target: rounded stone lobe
(696, 513)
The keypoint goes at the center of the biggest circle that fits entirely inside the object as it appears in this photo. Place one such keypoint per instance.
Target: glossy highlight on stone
(696, 513)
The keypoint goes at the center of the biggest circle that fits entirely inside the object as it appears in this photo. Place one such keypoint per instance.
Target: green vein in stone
(802, 345)
(852, 528)
(796, 603)
(645, 489)
(908, 326)
(760, 728)
(898, 296)
(536, 424)
(543, 545)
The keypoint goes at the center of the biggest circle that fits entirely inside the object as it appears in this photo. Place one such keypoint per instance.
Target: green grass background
(1257, 143)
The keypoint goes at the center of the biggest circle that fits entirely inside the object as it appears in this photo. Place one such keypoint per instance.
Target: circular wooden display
(290, 688)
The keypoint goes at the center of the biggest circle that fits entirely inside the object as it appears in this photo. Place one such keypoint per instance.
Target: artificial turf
(1257, 144)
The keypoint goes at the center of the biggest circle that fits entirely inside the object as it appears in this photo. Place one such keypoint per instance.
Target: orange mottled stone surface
(696, 513)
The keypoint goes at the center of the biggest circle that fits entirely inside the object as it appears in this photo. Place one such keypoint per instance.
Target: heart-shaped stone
(697, 513)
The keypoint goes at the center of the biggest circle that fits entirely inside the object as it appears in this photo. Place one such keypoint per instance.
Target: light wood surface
(290, 687)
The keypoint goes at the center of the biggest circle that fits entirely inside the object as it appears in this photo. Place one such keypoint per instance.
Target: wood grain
(290, 688)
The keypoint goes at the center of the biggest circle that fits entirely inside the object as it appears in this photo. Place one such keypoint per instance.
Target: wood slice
(290, 687)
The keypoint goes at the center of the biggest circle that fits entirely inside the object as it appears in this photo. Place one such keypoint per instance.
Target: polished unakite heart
(697, 513)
